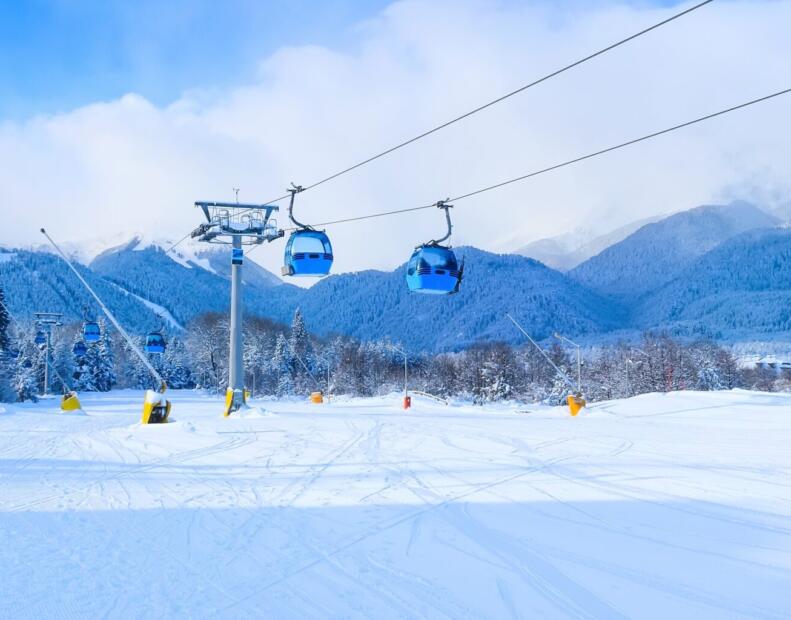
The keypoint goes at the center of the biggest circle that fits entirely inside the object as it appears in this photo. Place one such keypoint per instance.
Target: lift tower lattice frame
(46, 321)
(235, 224)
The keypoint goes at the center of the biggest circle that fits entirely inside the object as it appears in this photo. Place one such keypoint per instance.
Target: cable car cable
(489, 104)
(499, 99)
(563, 164)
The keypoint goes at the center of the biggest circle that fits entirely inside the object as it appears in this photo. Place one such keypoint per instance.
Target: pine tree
(283, 366)
(175, 366)
(25, 380)
(84, 375)
(302, 354)
(5, 320)
(103, 370)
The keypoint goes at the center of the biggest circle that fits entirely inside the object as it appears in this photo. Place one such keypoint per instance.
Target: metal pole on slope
(236, 359)
(407, 401)
(562, 374)
(575, 401)
(155, 408)
(110, 315)
(46, 362)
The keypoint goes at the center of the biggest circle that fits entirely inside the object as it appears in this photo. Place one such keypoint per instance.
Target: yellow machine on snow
(70, 402)
(156, 408)
(576, 403)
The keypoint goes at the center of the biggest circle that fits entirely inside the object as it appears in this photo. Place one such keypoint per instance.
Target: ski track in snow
(661, 506)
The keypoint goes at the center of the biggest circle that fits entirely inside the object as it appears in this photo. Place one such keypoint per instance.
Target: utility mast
(46, 321)
(234, 224)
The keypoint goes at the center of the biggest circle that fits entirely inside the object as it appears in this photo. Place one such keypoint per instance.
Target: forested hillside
(740, 289)
(659, 252)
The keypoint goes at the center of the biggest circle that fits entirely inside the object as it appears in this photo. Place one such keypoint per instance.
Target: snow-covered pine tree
(5, 321)
(62, 362)
(283, 364)
(25, 379)
(7, 361)
(103, 370)
(302, 352)
(84, 375)
(498, 373)
(81, 370)
(175, 366)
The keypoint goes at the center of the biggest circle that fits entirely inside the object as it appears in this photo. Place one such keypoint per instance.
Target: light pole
(579, 360)
(406, 391)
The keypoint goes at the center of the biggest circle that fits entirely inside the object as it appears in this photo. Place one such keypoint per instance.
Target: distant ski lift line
(110, 315)
(65, 385)
(482, 107)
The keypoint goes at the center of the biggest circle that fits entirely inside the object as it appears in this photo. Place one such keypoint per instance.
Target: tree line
(288, 361)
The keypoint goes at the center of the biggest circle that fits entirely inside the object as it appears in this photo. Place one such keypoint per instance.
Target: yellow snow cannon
(70, 402)
(576, 403)
(232, 404)
(156, 408)
(317, 397)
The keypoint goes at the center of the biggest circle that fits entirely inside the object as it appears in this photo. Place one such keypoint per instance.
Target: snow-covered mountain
(715, 270)
(189, 254)
(740, 289)
(566, 251)
(41, 282)
(658, 252)
(187, 281)
(372, 304)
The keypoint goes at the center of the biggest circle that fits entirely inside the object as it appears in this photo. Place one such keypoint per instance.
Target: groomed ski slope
(661, 506)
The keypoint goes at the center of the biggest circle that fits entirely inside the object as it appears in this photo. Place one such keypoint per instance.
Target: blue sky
(56, 55)
(115, 117)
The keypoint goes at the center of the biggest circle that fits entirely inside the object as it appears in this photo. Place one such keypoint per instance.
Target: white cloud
(128, 165)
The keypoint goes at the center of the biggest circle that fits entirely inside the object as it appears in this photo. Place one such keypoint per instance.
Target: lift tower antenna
(235, 224)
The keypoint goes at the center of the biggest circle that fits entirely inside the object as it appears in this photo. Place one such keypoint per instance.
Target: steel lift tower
(235, 224)
(46, 321)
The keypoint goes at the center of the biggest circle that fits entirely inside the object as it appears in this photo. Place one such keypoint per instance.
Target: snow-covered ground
(661, 506)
